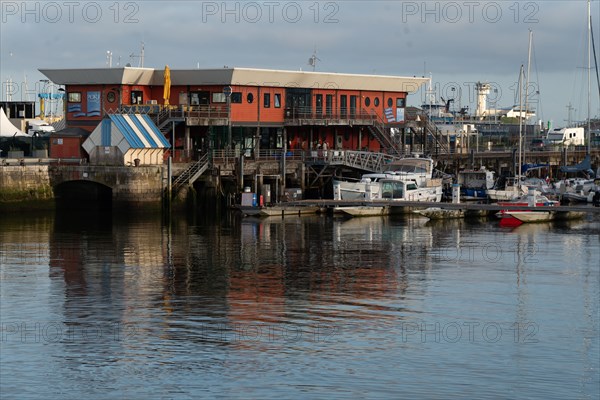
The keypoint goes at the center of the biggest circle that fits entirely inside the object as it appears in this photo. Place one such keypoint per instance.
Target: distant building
(244, 109)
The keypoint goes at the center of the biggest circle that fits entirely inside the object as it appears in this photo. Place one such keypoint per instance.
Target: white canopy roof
(7, 129)
(234, 76)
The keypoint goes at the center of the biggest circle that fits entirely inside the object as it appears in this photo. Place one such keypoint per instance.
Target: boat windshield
(392, 190)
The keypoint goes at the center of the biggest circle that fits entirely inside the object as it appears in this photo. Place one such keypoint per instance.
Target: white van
(567, 136)
(41, 128)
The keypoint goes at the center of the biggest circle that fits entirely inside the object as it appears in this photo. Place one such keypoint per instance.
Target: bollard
(456, 193)
(531, 197)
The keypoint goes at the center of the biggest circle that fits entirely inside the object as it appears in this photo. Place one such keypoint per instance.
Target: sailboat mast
(520, 126)
(589, 69)
(527, 81)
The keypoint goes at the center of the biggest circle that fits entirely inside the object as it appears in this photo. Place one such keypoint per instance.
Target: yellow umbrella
(167, 87)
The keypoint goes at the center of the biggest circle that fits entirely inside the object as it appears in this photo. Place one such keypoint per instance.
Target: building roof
(126, 131)
(139, 131)
(234, 76)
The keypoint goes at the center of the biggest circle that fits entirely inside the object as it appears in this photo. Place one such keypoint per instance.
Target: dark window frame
(266, 100)
(236, 97)
(277, 100)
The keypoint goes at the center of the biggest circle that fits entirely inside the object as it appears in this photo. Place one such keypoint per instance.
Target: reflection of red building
(266, 108)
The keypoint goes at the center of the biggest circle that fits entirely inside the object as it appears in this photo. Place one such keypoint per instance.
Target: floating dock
(471, 209)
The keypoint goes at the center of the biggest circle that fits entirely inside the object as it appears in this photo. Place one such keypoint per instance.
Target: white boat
(277, 210)
(474, 184)
(365, 211)
(528, 216)
(512, 190)
(414, 178)
(288, 210)
(516, 216)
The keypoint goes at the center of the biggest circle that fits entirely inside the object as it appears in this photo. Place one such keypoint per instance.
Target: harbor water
(102, 306)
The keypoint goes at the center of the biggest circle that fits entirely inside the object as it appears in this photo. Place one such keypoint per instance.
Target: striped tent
(126, 139)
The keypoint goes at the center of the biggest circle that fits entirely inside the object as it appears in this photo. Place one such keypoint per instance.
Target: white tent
(7, 129)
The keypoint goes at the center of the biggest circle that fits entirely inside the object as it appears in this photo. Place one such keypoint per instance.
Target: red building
(244, 109)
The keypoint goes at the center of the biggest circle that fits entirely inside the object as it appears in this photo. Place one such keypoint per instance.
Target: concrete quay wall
(44, 183)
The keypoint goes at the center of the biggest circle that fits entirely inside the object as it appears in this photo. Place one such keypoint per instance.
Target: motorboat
(409, 179)
(474, 184)
(364, 211)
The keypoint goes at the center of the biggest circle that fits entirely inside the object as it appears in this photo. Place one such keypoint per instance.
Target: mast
(520, 126)
(527, 80)
(589, 69)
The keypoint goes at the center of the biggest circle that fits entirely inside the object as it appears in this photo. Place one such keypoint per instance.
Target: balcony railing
(163, 113)
(296, 115)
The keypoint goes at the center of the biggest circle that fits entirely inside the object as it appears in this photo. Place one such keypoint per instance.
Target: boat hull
(531, 216)
(365, 211)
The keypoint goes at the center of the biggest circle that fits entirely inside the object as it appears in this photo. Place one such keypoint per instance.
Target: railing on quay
(365, 160)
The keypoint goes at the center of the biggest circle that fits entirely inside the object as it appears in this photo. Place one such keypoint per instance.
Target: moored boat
(474, 184)
(365, 211)
(410, 178)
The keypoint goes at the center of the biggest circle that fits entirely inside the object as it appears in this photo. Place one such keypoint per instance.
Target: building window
(328, 104)
(376, 101)
(137, 97)
(267, 100)
(250, 98)
(319, 104)
(390, 102)
(236, 97)
(400, 103)
(367, 101)
(74, 97)
(277, 100)
(219, 97)
(110, 97)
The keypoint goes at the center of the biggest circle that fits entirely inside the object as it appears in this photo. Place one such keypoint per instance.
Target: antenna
(109, 58)
(141, 57)
(312, 61)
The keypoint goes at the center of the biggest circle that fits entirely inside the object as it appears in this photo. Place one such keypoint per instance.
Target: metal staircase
(166, 117)
(191, 174)
(435, 136)
(380, 132)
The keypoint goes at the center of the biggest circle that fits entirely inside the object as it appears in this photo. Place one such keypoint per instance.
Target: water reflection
(142, 302)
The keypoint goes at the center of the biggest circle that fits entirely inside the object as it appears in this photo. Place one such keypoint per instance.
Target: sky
(456, 43)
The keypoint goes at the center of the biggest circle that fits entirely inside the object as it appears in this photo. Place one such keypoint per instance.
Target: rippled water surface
(106, 306)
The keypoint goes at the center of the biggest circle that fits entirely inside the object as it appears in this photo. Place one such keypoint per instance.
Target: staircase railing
(378, 129)
(192, 173)
(437, 136)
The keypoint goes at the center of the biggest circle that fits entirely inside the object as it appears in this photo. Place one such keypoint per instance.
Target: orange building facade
(248, 110)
